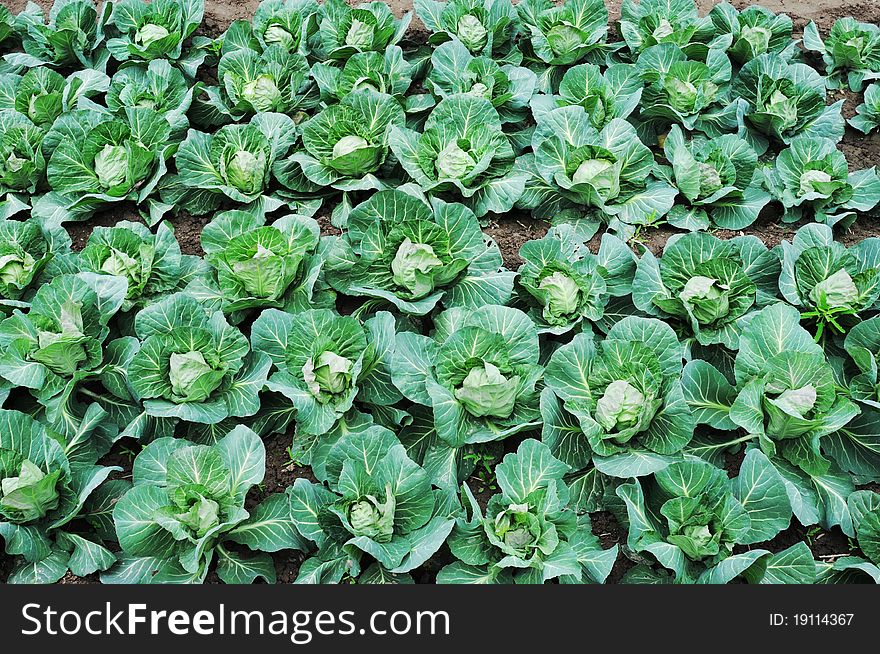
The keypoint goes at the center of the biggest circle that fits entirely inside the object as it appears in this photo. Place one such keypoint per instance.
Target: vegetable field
(452, 292)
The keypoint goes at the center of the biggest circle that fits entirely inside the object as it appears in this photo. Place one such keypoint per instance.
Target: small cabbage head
(809, 180)
(256, 273)
(472, 33)
(353, 155)
(327, 375)
(564, 39)
(192, 378)
(374, 519)
(16, 268)
(663, 29)
(150, 33)
(486, 392)
(838, 291)
(276, 34)
(783, 107)
(453, 162)
(620, 406)
(706, 299)
(480, 90)
(601, 174)
(518, 529)
(120, 264)
(262, 93)
(682, 94)
(757, 37)
(796, 402)
(62, 351)
(710, 179)
(30, 495)
(202, 515)
(245, 171)
(360, 35)
(697, 541)
(111, 165)
(412, 266)
(562, 293)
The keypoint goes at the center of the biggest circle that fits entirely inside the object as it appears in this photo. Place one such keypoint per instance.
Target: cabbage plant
(582, 171)
(614, 93)
(705, 285)
(786, 396)
(251, 81)
(783, 100)
(851, 52)
(380, 505)
(346, 144)
(59, 341)
(102, 159)
(288, 23)
(462, 154)
(157, 30)
(455, 71)
(22, 163)
(401, 250)
(387, 73)
(718, 179)
(564, 284)
(689, 517)
(682, 90)
(42, 492)
(192, 365)
(478, 373)
(812, 178)
(530, 533)
(234, 163)
(647, 23)
(367, 27)
(867, 118)
(324, 361)
(755, 30)
(25, 250)
(186, 510)
(485, 27)
(566, 34)
(151, 264)
(831, 284)
(70, 36)
(625, 395)
(158, 86)
(258, 265)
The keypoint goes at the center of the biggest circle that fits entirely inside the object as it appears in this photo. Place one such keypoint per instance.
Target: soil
(510, 232)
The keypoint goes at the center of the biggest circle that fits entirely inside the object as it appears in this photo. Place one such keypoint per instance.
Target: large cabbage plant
(186, 509)
(705, 285)
(625, 396)
(530, 533)
(690, 516)
(380, 506)
(43, 489)
(462, 154)
(192, 365)
(412, 254)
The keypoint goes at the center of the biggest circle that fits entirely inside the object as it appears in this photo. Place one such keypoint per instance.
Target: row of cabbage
(698, 121)
(582, 381)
